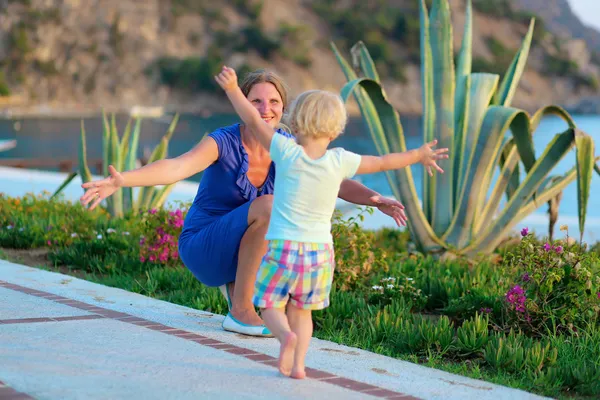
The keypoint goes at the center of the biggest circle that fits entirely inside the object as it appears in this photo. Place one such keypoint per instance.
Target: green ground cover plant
(527, 317)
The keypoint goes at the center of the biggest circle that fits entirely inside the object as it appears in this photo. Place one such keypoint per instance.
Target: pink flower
(558, 249)
(175, 254)
(547, 247)
(524, 232)
(152, 258)
(525, 277)
(153, 211)
(163, 258)
(516, 297)
(142, 259)
(49, 243)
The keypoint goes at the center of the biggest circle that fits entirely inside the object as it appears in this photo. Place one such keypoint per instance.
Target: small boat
(146, 112)
(7, 144)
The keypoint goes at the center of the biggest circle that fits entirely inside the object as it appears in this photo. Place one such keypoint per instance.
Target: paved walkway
(66, 338)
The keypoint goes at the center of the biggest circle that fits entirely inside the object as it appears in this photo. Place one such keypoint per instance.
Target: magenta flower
(525, 277)
(558, 249)
(524, 232)
(547, 247)
(152, 258)
(153, 211)
(49, 243)
(142, 259)
(598, 294)
(516, 297)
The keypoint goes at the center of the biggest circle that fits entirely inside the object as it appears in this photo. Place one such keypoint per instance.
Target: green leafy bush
(4, 88)
(191, 74)
(560, 66)
(356, 255)
(383, 25)
(34, 221)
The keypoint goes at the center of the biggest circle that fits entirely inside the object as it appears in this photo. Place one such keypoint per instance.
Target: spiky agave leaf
(386, 122)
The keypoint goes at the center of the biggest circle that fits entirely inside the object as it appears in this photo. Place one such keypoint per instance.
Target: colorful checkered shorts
(299, 272)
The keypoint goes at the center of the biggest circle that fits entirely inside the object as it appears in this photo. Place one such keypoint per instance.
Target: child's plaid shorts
(301, 271)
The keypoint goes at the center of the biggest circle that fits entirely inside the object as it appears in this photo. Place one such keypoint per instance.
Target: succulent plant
(471, 114)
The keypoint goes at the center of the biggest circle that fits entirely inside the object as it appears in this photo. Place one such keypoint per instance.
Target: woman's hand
(227, 79)
(391, 207)
(101, 189)
(429, 156)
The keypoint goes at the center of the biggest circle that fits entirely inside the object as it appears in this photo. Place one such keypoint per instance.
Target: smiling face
(267, 92)
(267, 100)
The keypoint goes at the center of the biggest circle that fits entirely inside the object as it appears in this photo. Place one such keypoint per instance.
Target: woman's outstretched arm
(161, 172)
(357, 193)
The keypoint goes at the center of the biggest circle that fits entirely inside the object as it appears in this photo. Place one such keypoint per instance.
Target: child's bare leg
(300, 321)
(277, 322)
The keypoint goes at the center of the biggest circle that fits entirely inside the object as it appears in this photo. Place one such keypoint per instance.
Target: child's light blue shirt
(306, 190)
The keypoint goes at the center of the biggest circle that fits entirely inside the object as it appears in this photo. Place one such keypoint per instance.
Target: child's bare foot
(286, 353)
(298, 373)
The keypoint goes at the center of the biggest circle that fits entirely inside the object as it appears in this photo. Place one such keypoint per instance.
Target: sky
(588, 11)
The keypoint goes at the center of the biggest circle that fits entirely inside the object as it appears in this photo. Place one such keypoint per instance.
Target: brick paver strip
(8, 393)
(54, 319)
(100, 313)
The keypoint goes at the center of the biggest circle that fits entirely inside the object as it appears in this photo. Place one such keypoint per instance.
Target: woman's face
(267, 100)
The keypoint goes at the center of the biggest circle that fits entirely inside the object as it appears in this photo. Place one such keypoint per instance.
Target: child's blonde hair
(317, 114)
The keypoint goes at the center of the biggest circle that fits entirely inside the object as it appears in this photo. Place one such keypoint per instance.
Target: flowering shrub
(558, 286)
(159, 243)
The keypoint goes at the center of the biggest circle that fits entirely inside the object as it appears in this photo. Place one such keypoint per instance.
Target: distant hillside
(77, 56)
(561, 20)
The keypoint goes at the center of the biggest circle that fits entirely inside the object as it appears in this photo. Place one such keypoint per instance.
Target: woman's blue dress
(218, 217)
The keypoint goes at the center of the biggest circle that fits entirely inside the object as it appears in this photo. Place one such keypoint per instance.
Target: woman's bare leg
(252, 248)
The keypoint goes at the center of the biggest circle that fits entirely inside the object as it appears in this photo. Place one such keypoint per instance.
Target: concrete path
(66, 338)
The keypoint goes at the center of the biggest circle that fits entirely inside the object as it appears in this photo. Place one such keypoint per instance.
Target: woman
(223, 239)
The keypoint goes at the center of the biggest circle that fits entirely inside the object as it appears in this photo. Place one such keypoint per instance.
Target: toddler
(296, 273)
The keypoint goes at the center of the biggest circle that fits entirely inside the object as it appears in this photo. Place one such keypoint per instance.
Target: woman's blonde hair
(317, 114)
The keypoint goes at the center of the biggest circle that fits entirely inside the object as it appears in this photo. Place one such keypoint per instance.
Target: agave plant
(122, 154)
(471, 114)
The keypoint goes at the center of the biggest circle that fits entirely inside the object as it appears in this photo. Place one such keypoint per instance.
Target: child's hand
(430, 155)
(227, 79)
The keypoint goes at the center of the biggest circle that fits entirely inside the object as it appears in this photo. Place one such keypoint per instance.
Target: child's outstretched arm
(425, 155)
(227, 79)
